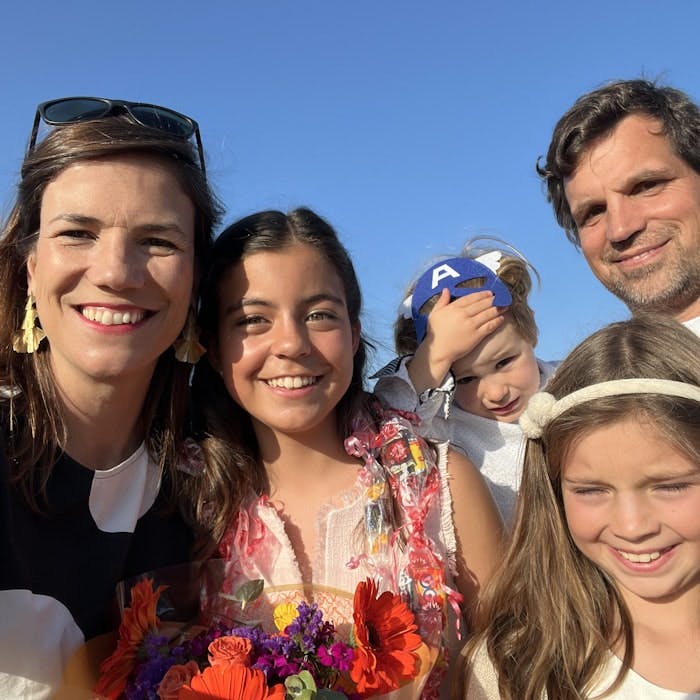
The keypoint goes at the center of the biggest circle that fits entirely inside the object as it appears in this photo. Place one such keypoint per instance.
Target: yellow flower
(284, 614)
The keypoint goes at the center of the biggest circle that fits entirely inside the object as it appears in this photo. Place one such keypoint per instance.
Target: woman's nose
(116, 263)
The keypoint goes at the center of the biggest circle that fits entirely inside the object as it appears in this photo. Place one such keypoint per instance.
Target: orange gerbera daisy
(136, 621)
(386, 641)
(230, 682)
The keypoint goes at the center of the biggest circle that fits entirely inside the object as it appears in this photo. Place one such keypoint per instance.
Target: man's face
(636, 205)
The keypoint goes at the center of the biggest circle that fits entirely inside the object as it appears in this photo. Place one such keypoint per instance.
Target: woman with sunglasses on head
(99, 260)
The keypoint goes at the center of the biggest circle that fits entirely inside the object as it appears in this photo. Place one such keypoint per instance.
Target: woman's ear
(31, 265)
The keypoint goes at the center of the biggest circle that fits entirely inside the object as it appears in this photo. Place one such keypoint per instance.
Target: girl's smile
(292, 382)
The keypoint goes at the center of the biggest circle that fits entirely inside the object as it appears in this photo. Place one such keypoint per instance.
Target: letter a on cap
(441, 272)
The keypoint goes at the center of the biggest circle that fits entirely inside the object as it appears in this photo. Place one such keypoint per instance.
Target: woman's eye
(76, 234)
(163, 243)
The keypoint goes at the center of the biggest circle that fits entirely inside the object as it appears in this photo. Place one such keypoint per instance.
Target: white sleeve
(395, 389)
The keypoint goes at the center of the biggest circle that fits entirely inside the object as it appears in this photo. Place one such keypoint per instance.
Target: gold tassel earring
(28, 339)
(187, 346)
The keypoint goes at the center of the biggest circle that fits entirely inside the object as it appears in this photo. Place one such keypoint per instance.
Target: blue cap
(447, 274)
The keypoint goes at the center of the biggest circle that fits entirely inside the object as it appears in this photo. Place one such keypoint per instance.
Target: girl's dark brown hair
(233, 468)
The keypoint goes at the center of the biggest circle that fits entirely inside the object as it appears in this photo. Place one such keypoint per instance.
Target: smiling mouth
(291, 382)
(640, 256)
(643, 557)
(507, 408)
(109, 317)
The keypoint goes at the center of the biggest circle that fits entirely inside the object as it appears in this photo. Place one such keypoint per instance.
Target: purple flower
(308, 643)
(309, 629)
(285, 667)
(147, 677)
(337, 656)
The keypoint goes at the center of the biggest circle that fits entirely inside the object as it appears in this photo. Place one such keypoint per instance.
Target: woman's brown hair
(34, 419)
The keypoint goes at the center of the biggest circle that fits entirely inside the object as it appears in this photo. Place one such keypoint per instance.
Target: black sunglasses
(68, 110)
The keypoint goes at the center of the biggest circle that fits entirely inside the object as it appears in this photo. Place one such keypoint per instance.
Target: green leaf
(326, 694)
(303, 687)
(300, 687)
(307, 679)
(247, 593)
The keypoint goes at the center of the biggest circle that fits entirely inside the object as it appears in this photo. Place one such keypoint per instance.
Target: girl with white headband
(466, 336)
(599, 593)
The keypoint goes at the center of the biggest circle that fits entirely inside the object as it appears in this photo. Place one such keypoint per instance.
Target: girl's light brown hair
(551, 616)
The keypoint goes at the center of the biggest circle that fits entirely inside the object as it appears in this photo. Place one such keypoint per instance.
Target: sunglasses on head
(69, 110)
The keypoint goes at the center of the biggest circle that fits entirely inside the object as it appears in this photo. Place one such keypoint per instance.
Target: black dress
(59, 569)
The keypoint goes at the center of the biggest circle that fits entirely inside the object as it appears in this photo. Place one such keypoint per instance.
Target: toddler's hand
(454, 330)
(456, 327)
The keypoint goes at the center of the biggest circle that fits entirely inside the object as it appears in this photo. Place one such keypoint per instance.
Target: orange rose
(175, 677)
(230, 650)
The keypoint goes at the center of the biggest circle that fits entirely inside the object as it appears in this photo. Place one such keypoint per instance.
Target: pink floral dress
(358, 537)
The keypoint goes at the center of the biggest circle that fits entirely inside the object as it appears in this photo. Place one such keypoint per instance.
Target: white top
(635, 687)
(496, 448)
(694, 325)
(483, 683)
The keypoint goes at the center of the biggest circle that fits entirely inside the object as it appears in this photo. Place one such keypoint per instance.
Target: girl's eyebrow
(582, 481)
(692, 473)
(673, 475)
(253, 301)
(324, 296)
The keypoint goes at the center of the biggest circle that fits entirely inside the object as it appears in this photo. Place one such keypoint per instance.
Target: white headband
(544, 408)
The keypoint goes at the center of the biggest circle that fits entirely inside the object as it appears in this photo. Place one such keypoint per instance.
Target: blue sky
(411, 126)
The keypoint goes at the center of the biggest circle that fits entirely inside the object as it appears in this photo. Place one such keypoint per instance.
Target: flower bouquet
(303, 657)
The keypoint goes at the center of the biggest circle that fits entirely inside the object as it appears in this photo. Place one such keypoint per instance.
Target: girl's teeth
(291, 382)
(640, 558)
